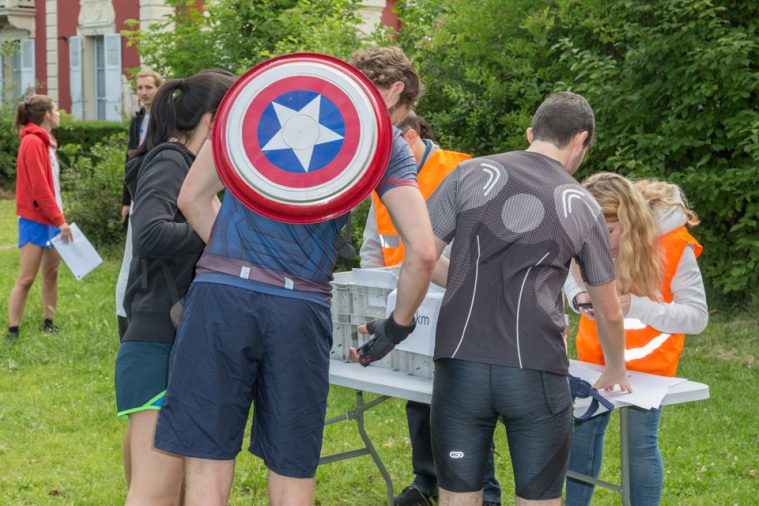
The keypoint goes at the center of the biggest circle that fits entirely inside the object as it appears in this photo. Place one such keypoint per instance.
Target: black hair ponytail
(180, 104)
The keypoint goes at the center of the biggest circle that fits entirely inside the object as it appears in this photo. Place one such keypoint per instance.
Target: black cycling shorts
(536, 407)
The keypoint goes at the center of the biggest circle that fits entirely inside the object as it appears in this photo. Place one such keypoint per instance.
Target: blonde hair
(146, 72)
(638, 263)
(662, 196)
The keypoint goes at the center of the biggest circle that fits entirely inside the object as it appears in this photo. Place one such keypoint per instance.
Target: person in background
(382, 247)
(39, 208)
(165, 252)
(516, 220)
(662, 295)
(148, 83)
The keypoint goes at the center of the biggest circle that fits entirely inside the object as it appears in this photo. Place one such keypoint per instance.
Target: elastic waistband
(245, 270)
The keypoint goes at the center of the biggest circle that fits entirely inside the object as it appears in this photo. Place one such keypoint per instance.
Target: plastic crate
(411, 363)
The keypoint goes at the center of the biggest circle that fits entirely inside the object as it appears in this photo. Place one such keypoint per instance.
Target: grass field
(60, 441)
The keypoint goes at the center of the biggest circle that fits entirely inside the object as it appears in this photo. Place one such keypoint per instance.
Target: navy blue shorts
(236, 346)
(536, 407)
(35, 233)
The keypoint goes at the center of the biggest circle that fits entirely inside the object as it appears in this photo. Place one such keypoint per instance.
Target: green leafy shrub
(92, 190)
(82, 135)
(673, 84)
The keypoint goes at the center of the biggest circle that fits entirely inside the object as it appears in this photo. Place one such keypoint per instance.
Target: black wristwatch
(574, 301)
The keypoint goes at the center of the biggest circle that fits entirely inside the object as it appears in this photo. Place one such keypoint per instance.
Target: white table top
(404, 386)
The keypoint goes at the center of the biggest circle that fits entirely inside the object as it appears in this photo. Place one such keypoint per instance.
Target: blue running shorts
(235, 347)
(35, 233)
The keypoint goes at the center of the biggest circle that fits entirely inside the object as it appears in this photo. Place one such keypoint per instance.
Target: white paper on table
(78, 254)
(648, 392)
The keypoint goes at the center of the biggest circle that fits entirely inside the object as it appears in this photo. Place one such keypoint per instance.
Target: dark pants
(425, 478)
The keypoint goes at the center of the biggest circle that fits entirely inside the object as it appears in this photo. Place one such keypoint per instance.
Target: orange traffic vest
(646, 349)
(435, 169)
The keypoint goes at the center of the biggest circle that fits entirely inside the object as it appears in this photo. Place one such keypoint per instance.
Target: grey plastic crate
(414, 364)
(343, 337)
(369, 301)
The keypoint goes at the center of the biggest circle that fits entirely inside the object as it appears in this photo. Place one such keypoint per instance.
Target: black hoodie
(164, 246)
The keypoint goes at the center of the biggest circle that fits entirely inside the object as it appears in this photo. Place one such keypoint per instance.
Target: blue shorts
(141, 372)
(536, 407)
(236, 346)
(35, 233)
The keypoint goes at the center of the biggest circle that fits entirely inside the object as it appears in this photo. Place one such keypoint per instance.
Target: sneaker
(12, 335)
(412, 496)
(48, 327)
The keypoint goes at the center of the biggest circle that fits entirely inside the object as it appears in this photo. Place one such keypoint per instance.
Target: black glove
(387, 333)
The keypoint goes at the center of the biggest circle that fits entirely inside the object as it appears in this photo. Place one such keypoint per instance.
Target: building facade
(72, 50)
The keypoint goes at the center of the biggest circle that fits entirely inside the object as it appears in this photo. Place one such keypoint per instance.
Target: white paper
(648, 392)
(78, 254)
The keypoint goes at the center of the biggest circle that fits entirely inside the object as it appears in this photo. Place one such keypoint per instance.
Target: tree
(237, 34)
(673, 84)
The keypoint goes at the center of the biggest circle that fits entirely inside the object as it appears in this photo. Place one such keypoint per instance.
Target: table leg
(370, 446)
(624, 453)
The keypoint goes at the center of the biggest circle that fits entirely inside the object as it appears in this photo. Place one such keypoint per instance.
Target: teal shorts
(142, 369)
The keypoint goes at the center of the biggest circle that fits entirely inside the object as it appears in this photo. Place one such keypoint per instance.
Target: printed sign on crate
(422, 340)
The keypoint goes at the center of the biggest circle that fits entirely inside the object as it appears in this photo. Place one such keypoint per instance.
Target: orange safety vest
(646, 349)
(433, 172)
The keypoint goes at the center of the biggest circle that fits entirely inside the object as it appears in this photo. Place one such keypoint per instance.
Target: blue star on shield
(301, 131)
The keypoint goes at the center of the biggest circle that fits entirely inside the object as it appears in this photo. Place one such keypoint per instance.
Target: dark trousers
(425, 478)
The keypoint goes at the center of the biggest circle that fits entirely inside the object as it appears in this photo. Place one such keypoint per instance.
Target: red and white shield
(302, 138)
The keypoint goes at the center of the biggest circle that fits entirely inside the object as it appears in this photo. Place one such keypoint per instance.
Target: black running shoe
(49, 327)
(12, 335)
(412, 496)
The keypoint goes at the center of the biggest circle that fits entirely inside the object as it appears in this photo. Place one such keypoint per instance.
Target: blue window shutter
(28, 84)
(113, 77)
(75, 74)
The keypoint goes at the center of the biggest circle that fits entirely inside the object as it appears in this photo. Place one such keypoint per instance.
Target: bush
(92, 190)
(81, 134)
(672, 82)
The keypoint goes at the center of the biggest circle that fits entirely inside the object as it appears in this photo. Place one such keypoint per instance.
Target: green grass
(60, 441)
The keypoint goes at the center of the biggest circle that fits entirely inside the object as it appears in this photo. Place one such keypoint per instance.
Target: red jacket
(35, 193)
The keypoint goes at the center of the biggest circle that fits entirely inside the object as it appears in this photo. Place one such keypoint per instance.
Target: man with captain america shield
(294, 156)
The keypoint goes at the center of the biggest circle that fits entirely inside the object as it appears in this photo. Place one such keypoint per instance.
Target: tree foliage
(673, 84)
(237, 34)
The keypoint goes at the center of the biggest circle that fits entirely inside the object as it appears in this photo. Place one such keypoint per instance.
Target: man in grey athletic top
(518, 219)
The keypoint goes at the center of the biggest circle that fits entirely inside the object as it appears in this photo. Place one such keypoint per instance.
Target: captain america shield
(302, 138)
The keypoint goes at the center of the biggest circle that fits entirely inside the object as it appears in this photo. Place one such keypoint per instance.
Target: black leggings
(536, 407)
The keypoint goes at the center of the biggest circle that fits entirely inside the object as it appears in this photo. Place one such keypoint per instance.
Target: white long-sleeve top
(688, 312)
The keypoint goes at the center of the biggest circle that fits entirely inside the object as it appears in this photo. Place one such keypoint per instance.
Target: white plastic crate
(369, 302)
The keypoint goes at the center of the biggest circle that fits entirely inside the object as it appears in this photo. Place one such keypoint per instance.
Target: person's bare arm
(611, 333)
(409, 214)
(197, 199)
(440, 273)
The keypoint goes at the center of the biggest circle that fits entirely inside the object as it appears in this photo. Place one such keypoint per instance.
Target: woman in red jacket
(39, 209)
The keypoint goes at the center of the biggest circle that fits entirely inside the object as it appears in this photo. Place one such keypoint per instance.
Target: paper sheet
(79, 254)
(648, 389)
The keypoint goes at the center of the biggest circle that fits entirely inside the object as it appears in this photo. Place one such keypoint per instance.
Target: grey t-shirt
(518, 219)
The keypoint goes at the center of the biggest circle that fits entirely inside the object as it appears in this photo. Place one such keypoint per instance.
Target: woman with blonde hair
(39, 208)
(662, 295)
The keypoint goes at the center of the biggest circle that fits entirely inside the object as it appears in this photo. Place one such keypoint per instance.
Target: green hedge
(83, 134)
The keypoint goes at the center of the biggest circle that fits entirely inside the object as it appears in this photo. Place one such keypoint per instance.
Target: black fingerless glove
(386, 334)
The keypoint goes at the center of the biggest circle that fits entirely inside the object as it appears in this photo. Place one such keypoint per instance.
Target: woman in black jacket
(165, 250)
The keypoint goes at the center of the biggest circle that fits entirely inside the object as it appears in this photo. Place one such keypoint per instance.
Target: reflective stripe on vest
(646, 349)
(436, 168)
